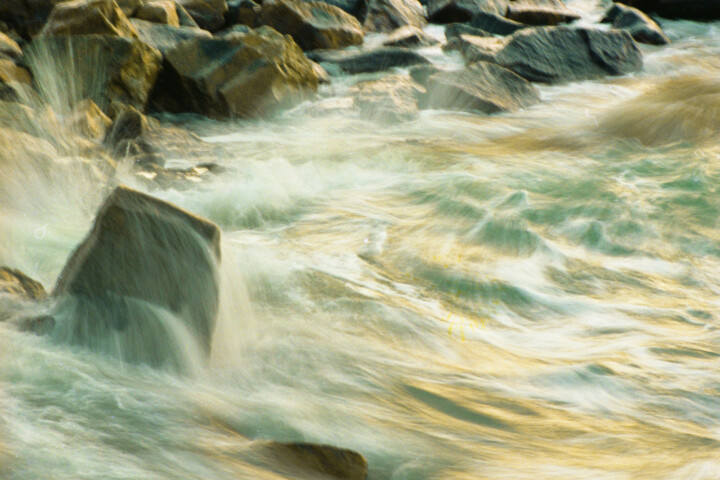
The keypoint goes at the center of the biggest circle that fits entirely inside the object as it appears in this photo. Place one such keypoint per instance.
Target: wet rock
(88, 120)
(422, 73)
(16, 283)
(453, 30)
(481, 87)
(18, 117)
(356, 8)
(207, 14)
(88, 17)
(313, 460)
(129, 124)
(243, 12)
(369, 61)
(141, 249)
(390, 99)
(129, 7)
(241, 75)
(495, 24)
(105, 69)
(408, 37)
(558, 54)
(9, 47)
(26, 16)
(15, 80)
(641, 27)
(313, 25)
(235, 29)
(164, 12)
(388, 15)
(540, 12)
(461, 11)
(164, 37)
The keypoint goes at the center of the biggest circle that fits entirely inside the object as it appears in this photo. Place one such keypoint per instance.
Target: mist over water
(527, 295)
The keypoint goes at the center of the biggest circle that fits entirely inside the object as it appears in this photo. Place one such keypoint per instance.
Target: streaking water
(533, 295)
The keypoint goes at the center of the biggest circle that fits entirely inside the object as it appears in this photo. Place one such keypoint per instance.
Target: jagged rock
(165, 37)
(540, 12)
(129, 124)
(105, 69)
(453, 30)
(208, 14)
(243, 12)
(9, 47)
(26, 16)
(161, 11)
(495, 24)
(141, 249)
(312, 460)
(313, 25)
(88, 17)
(700, 10)
(16, 283)
(641, 27)
(240, 75)
(481, 87)
(388, 15)
(461, 11)
(409, 37)
(558, 54)
(390, 99)
(129, 7)
(369, 61)
(88, 120)
(14, 80)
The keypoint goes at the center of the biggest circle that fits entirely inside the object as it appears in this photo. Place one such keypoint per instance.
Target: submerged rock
(16, 283)
(558, 54)
(313, 25)
(370, 61)
(388, 15)
(242, 75)
(88, 17)
(142, 250)
(88, 120)
(390, 99)
(312, 460)
(481, 87)
(642, 28)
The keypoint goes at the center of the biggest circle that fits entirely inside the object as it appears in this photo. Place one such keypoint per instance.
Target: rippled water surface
(531, 295)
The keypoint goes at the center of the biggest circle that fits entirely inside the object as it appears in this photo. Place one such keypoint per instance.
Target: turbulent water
(528, 295)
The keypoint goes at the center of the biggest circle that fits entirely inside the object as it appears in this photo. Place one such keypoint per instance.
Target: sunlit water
(534, 295)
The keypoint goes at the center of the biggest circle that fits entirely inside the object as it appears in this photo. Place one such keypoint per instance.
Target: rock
(129, 7)
(700, 10)
(88, 120)
(390, 99)
(409, 36)
(129, 124)
(18, 117)
(15, 81)
(243, 12)
(356, 8)
(208, 14)
(165, 37)
(241, 75)
(163, 12)
(313, 460)
(540, 12)
(495, 24)
(461, 11)
(641, 27)
(105, 69)
(481, 87)
(141, 249)
(235, 29)
(16, 283)
(9, 47)
(26, 16)
(453, 30)
(313, 25)
(388, 15)
(369, 61)
(422, 73)
(558, 54)
(88, 17)
(466, 44)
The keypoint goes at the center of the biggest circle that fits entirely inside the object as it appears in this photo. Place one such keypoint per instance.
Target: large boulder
(242, 75)
(641, 27)
(15, 283)
(142, 251)
(370, 61)
(313, 25)
(165, 37)
(540, 12)
(388, 15)
(558, 54)
(481, 87)
(88, 17)
(208, 14)
(105, 69)
(461, 11)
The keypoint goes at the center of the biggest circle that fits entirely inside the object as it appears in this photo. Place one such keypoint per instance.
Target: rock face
(16, 283)
(461, 11)
(388, 15)
(559, 54)
(105, 69)
(143, 249)
(390, 99)
(540, 12)
(240, 75)
(313, 25)
(370, 61)
(88, 17)
(641, 27)
(481, 87)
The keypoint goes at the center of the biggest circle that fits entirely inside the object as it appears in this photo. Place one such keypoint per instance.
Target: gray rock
(495, 24)
(207, 14)
(454, 30)
(407, 37)
(641, 27)
(388, 15)
(369, 61)
(164, 37)
(390, 99)
(540, 12)
(481, 87)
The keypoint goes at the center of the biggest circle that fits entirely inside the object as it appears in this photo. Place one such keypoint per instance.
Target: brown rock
(390, 99)
(88, 120)
(15, 81)
(540, 12)
(313, 25)
(129, 7)
(409, 37)
(461, 11)
(208, 14)
(388, 15)
(160, 11)
(315, 461)
(16, 283)
(9, 47)
(88, 17)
